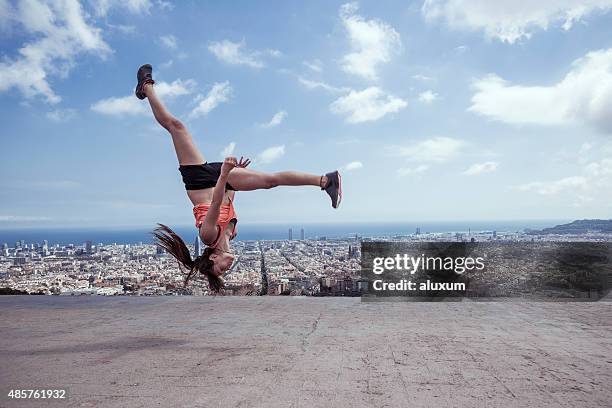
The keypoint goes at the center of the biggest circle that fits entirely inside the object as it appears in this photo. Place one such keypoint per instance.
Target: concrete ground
(305, 352)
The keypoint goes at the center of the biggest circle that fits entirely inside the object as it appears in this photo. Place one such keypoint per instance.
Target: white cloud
(556, 186)
(219, 93)
(273, 53)
(368, 105)
(354, 165)
(130, 105)
(166, 65)
(373, 42)
(315, 65)
(480, 168)
(583, 96)
(271, 154)
(102, 7)
(235, 53)
(122, 28)
(276, 120)
(428, 97)
(593, 184)
(169, 41)
(120, 106)
(322, 85)
(165, 5)
(511, 20)
(228, 150)
(408, 171)
(436, 149)
(61, 115)
(175, 88)
(60, 32)
(420, 77)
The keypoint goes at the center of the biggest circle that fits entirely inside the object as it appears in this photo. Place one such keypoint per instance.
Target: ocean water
(135, 235)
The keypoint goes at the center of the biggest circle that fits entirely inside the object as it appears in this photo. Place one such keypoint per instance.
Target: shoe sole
(338, 183)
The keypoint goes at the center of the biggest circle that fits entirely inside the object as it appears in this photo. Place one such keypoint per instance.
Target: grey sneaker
(144, 76)
(334, 188)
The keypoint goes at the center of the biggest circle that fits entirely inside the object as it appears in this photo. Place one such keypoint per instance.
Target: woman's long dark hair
(175, 246)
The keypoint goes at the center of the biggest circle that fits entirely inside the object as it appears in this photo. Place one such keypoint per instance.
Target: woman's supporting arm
(208, 229)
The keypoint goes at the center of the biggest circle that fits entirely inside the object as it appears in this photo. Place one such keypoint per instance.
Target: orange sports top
(226, 215)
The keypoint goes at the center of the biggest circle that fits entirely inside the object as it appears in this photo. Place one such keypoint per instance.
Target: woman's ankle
(323, 182)
(146, 86)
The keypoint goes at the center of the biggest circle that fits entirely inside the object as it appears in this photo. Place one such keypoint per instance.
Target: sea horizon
(268, 231)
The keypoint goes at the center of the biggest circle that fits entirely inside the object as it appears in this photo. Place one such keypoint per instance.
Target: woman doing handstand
(211, 188)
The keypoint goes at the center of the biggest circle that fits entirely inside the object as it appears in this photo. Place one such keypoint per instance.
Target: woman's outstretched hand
(230, 163)
(243, 163)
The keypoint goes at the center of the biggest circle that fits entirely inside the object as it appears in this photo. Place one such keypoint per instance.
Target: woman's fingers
(243, 162)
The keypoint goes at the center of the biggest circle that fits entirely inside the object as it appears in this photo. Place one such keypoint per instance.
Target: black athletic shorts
(201, 176)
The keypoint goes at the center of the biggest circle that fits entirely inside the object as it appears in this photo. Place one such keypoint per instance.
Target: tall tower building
(88, 247)
(302, 233)
(290, 234)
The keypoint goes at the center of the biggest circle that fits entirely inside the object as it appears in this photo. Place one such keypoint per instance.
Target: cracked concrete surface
(305, 352)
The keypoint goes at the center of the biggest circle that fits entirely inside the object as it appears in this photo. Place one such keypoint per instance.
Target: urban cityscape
(318, 266)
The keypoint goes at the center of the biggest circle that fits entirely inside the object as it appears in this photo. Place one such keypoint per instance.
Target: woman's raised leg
(186, 150)
(246, 179)
(242, 179)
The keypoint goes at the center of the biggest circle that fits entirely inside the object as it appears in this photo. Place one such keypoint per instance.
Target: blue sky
(435, 110)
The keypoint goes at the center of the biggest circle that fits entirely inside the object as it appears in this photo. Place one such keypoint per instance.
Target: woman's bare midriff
(205, 196)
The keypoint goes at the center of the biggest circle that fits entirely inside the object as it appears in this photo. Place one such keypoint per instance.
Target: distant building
(88, 247)
(290, 234)
(20, 260)
(302, 234)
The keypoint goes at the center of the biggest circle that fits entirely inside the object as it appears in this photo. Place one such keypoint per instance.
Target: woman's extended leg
(246, 179)
(243, 179)
(186, 150)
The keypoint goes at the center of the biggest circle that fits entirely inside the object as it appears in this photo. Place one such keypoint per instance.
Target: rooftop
(298, 351)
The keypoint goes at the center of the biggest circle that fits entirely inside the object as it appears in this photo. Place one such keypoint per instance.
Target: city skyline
(432, 110)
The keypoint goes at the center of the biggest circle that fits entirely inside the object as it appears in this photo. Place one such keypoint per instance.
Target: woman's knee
(173, 124)
(272, 180)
